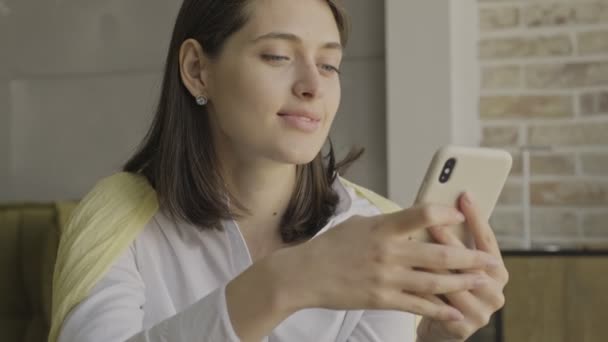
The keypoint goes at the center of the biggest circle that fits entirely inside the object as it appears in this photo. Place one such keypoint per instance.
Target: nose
(308, 83)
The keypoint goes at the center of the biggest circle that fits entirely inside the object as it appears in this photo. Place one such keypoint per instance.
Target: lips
(302, 121)
(306, 116)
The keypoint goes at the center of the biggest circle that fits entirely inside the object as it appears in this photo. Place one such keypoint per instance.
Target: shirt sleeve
(113, 312)
(385, 326)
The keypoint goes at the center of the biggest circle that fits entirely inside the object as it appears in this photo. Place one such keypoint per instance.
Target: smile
(305, 122)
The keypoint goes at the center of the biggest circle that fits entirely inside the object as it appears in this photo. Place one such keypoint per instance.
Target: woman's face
(275, 88)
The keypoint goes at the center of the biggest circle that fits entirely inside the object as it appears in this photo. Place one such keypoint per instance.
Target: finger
(478, 307)
(483, 235)
(433, 298)
(432, 283)
(447, 329)
(473, 318)
(418, 305)
(492, 294)
(444, 237)
(420, 217)
(435, 256)
(472, 308)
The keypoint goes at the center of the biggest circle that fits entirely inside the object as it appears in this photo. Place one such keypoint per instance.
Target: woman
(229, 225)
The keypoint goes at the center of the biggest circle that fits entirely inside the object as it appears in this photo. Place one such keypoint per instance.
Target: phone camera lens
(447, 170)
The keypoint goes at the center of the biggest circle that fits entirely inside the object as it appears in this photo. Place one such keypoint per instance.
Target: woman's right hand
(370, 263)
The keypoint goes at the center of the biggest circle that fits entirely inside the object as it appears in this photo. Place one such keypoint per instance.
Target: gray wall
(5, 191)
(361, 119)
(79, 81)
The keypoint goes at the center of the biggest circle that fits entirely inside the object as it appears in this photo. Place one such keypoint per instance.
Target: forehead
(311, 20)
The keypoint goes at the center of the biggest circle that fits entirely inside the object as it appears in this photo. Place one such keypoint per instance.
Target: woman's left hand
(476, 305)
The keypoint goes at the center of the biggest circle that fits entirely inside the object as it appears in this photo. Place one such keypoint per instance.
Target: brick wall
(544, 82)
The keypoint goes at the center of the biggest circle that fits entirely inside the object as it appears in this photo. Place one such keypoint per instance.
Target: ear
(194, 67)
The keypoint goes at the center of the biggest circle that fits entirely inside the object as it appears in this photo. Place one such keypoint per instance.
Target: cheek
(253, 88)
(247, 97)
(332, 102)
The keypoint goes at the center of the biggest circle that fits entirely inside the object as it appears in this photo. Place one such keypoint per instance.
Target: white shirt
(170, 286)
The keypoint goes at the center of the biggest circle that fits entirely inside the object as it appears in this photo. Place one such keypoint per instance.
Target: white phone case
(480, 171)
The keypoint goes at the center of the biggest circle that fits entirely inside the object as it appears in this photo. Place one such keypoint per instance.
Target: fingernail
(467, 199)
(479, 282)
(438, 229)
(493, 262)
(455, 315)
(460, 216)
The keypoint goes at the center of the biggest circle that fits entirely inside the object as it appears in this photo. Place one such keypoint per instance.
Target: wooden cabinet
(587, 299)
(556, 298)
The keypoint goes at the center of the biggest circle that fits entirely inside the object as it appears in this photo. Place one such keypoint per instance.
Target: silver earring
(201, 100)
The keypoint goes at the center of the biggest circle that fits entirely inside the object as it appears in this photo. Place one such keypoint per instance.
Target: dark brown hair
(177, 155)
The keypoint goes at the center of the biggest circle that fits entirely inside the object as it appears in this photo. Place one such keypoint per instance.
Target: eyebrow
(293, 38)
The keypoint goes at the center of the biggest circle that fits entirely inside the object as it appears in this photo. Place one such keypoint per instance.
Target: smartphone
(480, 171)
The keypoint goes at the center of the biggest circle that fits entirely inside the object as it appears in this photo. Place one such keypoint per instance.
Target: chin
(297, 156)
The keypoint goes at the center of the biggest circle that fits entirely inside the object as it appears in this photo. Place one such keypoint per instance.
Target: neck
(263, 188)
